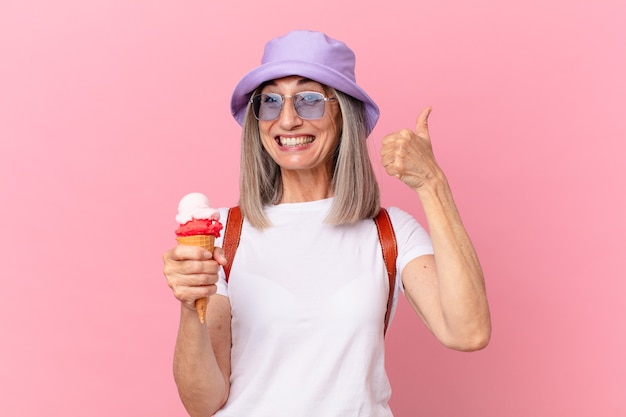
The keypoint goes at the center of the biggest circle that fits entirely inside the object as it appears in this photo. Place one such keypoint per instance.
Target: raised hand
(408, 155)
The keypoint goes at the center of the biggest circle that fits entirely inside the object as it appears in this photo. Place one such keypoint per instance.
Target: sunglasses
(308, 104)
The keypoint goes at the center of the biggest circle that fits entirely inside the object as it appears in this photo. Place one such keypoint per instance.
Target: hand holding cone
(208, 243)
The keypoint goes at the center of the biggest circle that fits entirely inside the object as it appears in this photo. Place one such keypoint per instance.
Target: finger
(184, 252)
(218, 255)
(191, 267)
(191, 281)
(387, 159)
(387, 139)
(421, 127)
(189, 295)
(193, 275)
(392, 170)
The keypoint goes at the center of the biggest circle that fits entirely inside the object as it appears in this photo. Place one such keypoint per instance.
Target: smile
(294, 141)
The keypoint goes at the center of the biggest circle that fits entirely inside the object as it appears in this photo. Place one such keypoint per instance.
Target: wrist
(187, 311)
(434, 185)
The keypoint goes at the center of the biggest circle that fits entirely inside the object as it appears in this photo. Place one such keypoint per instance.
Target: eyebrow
(300, 81)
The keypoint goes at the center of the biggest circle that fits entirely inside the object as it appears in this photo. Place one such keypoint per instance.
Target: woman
(296, 331)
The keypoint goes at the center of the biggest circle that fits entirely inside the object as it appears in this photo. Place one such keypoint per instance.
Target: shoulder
(402, 220)
(224, 213)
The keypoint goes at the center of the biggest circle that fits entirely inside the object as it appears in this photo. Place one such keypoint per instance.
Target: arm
(446, 290)
(202, 352)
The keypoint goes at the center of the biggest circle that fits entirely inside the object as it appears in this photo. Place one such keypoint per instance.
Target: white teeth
(299, 141)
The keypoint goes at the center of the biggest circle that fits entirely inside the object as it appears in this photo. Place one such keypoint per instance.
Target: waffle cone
(208, 243)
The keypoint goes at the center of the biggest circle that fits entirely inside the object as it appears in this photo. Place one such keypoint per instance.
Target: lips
(294, 141)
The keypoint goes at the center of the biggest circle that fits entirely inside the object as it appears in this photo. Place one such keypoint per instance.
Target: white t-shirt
(308, 303)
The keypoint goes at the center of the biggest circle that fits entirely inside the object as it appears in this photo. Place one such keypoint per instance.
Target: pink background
(110, 111)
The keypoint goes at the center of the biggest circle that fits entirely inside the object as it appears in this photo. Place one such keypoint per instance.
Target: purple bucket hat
(307, 54)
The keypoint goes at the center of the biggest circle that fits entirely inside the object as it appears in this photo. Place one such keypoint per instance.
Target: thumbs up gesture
(408, 155)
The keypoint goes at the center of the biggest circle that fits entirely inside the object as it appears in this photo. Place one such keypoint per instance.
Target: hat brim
(311, 70)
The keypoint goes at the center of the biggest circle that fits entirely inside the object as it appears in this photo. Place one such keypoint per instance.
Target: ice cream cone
(207, 242)
(199, 226)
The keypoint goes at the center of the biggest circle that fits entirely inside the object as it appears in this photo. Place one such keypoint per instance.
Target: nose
(288, 117)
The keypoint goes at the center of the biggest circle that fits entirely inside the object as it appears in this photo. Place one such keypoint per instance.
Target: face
(301, 144)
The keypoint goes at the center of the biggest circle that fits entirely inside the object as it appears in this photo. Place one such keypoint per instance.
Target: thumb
(421, 126)
(218, 255)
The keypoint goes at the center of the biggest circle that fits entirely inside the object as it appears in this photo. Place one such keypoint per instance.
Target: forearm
(462, 295)
(201, 383)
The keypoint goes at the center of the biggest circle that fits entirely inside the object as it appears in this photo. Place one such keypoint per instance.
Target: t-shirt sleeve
(413, 240)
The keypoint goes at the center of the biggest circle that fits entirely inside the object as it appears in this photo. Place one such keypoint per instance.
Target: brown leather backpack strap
(232, 234)
(389, 247)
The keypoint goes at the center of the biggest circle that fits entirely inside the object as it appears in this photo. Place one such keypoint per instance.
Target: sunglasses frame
(296, 108)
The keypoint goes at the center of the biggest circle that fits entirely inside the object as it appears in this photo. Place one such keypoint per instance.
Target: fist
(408, 155)
(192, 272)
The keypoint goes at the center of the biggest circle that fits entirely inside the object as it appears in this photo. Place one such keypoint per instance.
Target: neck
(300, 187)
